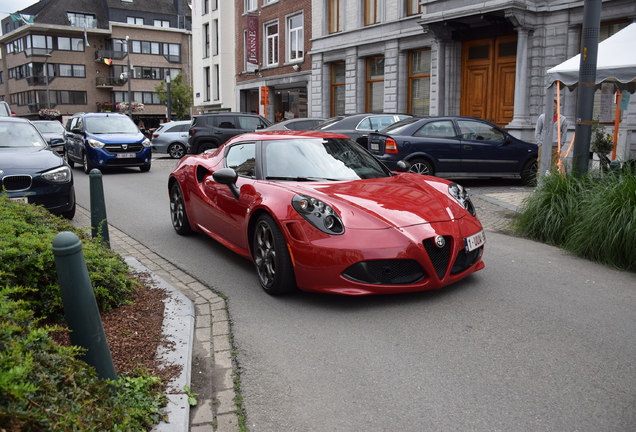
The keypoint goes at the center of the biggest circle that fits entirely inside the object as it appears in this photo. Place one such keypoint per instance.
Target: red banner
(251, 44)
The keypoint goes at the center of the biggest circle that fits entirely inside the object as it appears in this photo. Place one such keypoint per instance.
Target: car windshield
(49, 127)
(326, 123)
(20, 135)
(398, 126)
(316, 159)
(4, 110)
(110, 125)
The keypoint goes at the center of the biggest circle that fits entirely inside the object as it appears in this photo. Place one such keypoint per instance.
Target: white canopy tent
(616, 63)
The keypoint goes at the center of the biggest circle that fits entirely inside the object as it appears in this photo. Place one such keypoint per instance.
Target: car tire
(68, 161)
(178, 214)
(87, 165)
(529, 173)
(145, 168)
(177, 150)
(70, 214)
(271, 258)
(207, 146)
(421, 166)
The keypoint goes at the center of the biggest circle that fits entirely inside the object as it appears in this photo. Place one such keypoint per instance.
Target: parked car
(455, 147)
(171, 138)
(358, 126)
(296, 124)
(31, 172)
(5, 110)
(53, 133)
(103, 140)
(316, 211)
(209, 131)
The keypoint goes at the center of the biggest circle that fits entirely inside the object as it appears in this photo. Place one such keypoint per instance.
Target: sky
(10, 6)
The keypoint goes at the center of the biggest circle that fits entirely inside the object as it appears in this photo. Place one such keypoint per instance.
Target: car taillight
(191, 131)
(155, 135)
(390, 146)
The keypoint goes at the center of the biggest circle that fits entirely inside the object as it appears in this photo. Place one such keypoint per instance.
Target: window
(215, 29)
(419, 90)
(335, 13)
(295, 37)
(206, 81)
(242, 159)
(67, 70)
(217, 83)
(271, 44)
(206, 6)
(437, 129)
(413, 7)
(375, 84)
(81, 20)
(473, 130)
(134, 20)
(268, 2)
(250, 5)
(161, 23)
(70, 44)
(68, 97)
(338, 88)
(147, 98)
(38, 44)
(371, 12)
(172, 52)
(215, 4)
(206, 40)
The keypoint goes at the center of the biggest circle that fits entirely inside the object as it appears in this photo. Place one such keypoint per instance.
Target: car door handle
(467, 147)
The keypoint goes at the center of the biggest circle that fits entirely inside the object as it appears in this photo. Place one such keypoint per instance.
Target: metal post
(168, 89)
(80, 306)
(129, 77)
(587, 78)
(46, 77)
(99, 222)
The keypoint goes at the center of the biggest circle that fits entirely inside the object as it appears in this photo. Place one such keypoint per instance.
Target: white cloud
(10, 6)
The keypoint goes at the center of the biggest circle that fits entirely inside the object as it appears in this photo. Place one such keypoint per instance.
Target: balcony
(38, 80)
(107, 83)
(173, 58)
(38, 52)
(37, 106)
(110, 54)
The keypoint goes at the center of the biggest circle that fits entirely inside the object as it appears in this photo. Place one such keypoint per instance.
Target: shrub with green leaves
(592, 216)
(26, 259)
(44, 387)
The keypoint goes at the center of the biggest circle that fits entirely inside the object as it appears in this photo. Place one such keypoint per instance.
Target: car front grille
(119, 148)
(385, 272)
(465, 260)
(439, 256)
(16, 182)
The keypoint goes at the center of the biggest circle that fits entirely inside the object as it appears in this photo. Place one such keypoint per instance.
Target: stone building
(73, 55)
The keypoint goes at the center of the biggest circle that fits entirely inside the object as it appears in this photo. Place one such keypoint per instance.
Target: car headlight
(319, 214)
(95, 143)
(146, 143)
(459, 193)
(58, 175)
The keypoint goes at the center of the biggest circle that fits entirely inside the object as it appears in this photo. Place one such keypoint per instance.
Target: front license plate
(474, 241)
(20, 199)
(375, 146)
(125, 155)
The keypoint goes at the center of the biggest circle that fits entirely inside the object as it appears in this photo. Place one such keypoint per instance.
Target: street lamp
(168, 89)
(46, 77)
(129, 76)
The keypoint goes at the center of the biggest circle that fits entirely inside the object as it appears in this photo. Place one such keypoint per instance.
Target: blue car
(105, 140)
(455, 147)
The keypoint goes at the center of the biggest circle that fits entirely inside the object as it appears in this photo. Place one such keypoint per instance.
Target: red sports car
(316, 211)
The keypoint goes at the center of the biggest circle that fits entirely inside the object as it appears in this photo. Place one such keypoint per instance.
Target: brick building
(73, 55)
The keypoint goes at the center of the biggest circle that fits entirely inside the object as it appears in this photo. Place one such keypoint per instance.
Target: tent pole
(548, 124)
(616, 122)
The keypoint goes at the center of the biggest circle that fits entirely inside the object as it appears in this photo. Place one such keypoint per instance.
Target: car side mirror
(403, 166)
(260, 126)
(76, 130)
(227, 176)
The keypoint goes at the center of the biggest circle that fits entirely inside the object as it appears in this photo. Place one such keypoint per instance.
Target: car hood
(118, 138)
(26, 160)
(398, 201)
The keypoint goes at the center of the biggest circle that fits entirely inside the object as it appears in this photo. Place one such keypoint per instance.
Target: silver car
(171, 138)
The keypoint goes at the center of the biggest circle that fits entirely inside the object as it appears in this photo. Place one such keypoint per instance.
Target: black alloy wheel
(529, 173)
(271, 258)
(178, 213)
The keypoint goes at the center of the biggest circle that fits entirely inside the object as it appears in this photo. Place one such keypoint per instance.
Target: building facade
(272, 63)
(452, 57)
(214, 48)
(72, 56)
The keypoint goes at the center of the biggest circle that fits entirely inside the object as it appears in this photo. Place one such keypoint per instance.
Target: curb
(210, 342)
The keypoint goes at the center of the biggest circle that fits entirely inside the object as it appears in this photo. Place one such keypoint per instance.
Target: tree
(180, 95)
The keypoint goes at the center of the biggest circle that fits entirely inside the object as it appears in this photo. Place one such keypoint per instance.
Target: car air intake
(465, 260)
(386, 272)
(16, 182)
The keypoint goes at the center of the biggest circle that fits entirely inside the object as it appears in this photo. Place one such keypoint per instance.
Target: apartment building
(75, 55)
(451, 57)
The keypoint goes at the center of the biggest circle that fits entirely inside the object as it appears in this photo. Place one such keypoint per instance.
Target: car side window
(478, 131)
(226, 122)
(249, 123)
(175, 129)
(242, 159)
(437, 129)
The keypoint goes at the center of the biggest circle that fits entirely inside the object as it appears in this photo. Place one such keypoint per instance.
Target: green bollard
(80, 306)
(99, 222)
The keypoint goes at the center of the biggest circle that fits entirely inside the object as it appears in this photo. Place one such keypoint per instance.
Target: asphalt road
(537, 341)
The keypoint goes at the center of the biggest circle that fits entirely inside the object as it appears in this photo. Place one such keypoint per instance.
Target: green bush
(44, 387)
(26, 259)
(592, 216)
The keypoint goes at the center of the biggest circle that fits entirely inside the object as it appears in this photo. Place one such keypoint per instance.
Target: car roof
(284, 134)
(14, 119)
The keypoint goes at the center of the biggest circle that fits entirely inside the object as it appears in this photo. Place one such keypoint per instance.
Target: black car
(454, 147)
(30, 171)
(358, 126)
(53, 133)
(208, 131)
(300, 123)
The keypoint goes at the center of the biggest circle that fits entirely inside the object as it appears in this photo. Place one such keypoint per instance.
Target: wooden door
(488, 79)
